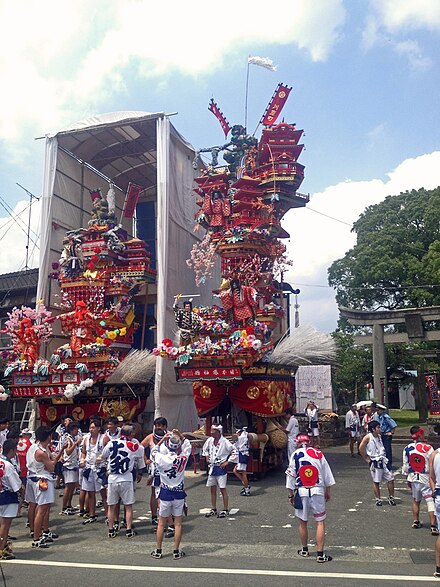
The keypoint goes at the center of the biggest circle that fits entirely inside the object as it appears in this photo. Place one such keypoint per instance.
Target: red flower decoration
(250, 330)
(94, 258)
(167, 342)
(90, 266)
(107, 341)
(97, 250)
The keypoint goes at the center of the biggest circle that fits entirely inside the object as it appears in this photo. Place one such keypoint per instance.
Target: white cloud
(317, 241)
(412, 51)
(389, 20)
(395, 15)
(59, 59)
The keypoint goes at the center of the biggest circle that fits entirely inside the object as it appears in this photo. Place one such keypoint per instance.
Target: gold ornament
(51, 414)
(78, 413)
(253, 392)
(205, 392)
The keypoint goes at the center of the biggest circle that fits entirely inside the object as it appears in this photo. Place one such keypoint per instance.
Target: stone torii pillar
(414, 320)
(379, 365)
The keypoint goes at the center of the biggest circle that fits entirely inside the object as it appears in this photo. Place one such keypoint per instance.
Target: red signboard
(276, 104)
(131, 200)
(209, 373)
(38, 391)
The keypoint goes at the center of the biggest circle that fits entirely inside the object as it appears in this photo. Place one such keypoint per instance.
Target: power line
(372, 288)
(328, 216)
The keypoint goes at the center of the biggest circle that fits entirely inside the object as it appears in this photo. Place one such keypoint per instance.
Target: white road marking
(188, 570)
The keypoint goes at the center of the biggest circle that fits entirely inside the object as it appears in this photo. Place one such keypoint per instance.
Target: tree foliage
(395, 262)
(354, 369)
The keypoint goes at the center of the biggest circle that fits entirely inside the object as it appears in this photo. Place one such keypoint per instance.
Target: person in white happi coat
(308, 482)
(416, 466)
(94, 476)
(373, 452)
(312, 414)
(292, 431)
(10, 485)
(121, 455)
(217, 451)
(353, 427)
(170, 456)
(240, 457)
(70, 458)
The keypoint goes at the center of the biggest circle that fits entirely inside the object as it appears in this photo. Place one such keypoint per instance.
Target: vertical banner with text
(131, 200)
(434, 398)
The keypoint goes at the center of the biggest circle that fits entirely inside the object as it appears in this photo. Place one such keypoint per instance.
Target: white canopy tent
(122, 147)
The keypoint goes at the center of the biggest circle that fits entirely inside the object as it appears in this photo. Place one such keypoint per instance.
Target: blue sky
(365, 77)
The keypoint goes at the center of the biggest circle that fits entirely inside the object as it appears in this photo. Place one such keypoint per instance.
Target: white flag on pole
(262, 62)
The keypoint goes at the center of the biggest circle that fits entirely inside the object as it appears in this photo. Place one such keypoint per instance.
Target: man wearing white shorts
(292, 431)
(41, 465)
(92, 479)
(312, 414)
(353, 427)
(217, 451)
(373, 452)
(121, 455)
(10, 484)
(308, 482)
(170, 456)
(241, 458)
(70, 467)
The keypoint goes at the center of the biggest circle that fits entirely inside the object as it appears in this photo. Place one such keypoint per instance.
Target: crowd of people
(108, 463)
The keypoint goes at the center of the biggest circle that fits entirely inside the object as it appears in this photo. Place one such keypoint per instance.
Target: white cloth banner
(314, 382)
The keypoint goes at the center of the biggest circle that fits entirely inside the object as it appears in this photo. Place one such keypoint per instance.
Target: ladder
(27, 414)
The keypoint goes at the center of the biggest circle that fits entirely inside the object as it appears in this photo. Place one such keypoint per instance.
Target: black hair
(289, 411)
(72, 426)
(113, 420)
(13, 432)
(42, 433)
(4, 421)
(373, 425)
(8, 445)
(414, 429)
(161, 421)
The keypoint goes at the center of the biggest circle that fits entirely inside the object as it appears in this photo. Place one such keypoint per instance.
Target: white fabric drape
(175, 237)
(163, 140)
(50, 165)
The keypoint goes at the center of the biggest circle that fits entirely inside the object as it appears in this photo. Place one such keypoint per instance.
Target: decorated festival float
(99, 273)
(238, 354)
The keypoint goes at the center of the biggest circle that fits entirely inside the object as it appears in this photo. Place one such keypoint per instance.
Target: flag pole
(246, 95)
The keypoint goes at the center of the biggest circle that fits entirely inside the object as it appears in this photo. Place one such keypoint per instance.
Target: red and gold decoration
(99, 273)
(241, 205)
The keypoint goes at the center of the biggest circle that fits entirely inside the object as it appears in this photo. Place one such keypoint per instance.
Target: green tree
(354, 368)
(395, 262)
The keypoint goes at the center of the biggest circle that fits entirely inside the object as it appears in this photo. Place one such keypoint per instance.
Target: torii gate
(414, 320)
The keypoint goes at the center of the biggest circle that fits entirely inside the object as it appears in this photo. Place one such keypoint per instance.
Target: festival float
(231, 352)
(99, 273)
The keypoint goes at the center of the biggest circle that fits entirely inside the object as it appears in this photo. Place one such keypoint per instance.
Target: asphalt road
(256, 546)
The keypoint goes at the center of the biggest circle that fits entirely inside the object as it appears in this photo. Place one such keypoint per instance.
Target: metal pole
(246, 96)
